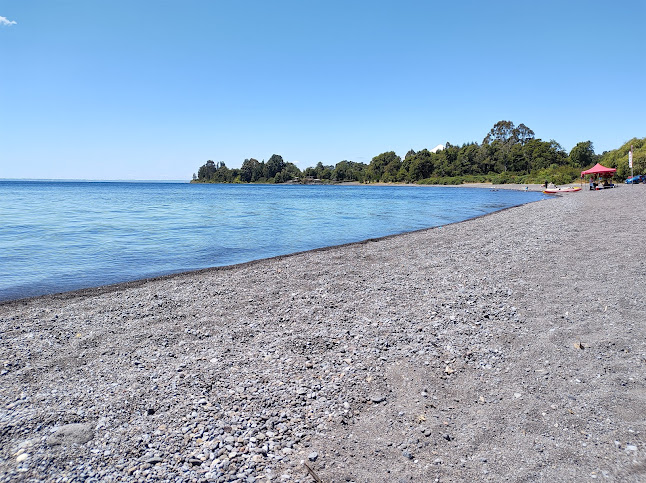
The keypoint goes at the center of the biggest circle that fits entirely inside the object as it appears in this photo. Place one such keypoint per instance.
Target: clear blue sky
(152, 89)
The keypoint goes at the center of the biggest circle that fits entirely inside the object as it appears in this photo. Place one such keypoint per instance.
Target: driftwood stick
(313, 474)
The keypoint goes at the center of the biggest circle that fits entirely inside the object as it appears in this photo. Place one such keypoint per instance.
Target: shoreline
(483, 350)
(112, 287)
(95, 290)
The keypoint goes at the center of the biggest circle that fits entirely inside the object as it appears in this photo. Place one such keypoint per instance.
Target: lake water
(60, 236)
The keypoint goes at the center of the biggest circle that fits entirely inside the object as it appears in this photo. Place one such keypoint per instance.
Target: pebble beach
(509, 347)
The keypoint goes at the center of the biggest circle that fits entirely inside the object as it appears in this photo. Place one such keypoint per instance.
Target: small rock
(313, 456)
(78, 433)
(407, 454)
(24, 456)
(378, 398)
(154, 460)
(631, 447)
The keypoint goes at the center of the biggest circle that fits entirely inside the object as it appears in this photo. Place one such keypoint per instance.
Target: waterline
(60, 236)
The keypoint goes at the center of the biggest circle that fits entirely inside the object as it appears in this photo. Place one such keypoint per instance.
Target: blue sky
(152, 89)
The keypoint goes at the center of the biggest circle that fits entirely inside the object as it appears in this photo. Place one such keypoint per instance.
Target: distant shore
(509, 186)
(503, 347)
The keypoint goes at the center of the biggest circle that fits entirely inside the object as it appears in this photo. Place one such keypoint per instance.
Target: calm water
(59, 236)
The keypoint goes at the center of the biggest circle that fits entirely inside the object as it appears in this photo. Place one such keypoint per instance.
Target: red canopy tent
(599, 170)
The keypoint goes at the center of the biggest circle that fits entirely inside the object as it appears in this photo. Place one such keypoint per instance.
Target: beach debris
(579, 345)
(312, 473)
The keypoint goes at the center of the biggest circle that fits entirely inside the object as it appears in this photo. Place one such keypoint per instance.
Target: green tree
(502, 131)
(291, 172)
(503, 137)
(409, 154)
(206, 171)
(379, 163)
(349, 171)
(222, 174)
(274, 166)
(582, 154)
(251, 171)
(322, 171)
(421, 165)
(522, 134)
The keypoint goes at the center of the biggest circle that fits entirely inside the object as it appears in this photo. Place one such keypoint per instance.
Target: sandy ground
(510, 347)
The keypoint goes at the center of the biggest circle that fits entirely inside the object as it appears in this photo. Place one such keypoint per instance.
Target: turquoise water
(60, 236)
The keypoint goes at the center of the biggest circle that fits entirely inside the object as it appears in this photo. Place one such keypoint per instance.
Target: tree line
(275, 170)
(507, 154)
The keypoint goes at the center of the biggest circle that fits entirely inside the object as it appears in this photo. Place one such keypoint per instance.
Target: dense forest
(507, 154)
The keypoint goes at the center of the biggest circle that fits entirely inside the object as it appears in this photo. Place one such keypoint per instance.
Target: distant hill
(618, 158)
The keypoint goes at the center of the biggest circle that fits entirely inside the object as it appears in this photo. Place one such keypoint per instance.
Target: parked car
(640, 178)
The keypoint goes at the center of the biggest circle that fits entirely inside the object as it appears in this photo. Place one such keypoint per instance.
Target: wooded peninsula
(507, 154)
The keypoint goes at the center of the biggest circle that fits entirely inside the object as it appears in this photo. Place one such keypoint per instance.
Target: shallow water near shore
(60, 236)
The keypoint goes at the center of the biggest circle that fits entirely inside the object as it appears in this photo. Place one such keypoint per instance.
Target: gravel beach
(510, 347)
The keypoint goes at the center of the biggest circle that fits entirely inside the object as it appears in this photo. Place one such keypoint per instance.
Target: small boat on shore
(567, 189)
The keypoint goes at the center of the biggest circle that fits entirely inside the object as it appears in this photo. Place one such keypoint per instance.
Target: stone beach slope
(510, 347)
